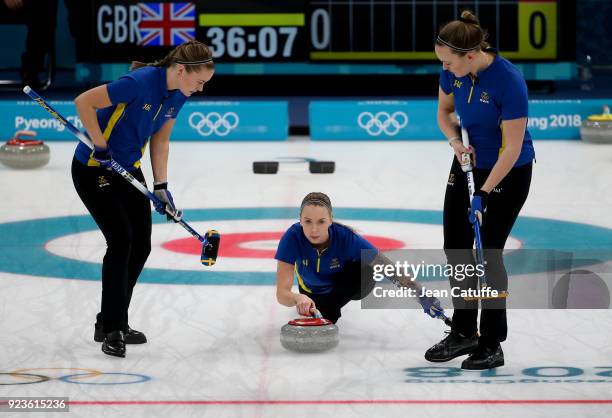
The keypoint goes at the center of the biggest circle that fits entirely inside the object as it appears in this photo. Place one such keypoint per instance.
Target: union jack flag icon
(166, 24)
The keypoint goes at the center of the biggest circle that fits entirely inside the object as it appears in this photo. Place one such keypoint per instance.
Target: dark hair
(316, 199)
(463, 35)
(195, 55)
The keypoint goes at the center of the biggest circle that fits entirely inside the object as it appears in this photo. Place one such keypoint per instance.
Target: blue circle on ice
(23, 243)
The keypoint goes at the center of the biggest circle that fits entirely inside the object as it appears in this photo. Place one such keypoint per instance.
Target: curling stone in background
(315, 167)
(265, 167)
(309, 335)
(322, 167)
(23, 153)
(598, 128)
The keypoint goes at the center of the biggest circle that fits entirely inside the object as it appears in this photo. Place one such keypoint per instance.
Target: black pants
(123, 214)
(503, 207)
(353, 283)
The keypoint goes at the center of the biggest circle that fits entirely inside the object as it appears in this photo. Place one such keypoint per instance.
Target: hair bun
(468, 17)
(468, 20)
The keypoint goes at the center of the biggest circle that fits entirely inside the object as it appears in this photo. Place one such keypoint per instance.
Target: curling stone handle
(22, 133)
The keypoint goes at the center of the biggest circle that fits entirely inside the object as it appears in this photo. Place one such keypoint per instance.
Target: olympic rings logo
(213, 123)
(82, 377)
(382, 122)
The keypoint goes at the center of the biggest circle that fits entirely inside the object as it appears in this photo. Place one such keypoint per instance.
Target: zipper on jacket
(471, 88)
(319, 254)
(160, 107)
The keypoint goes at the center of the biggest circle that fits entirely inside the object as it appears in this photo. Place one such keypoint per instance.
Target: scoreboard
(239, 30)
(405, 30)
(315, 31)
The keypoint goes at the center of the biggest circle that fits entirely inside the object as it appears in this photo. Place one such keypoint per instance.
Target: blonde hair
(321, 199)
(193, 54)
(316, 199)
(463, 35)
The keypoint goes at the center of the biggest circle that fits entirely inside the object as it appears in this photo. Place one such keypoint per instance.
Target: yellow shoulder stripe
(503, 139)
(300, 281)
(113, 120)
(108, 130)
(142, 151)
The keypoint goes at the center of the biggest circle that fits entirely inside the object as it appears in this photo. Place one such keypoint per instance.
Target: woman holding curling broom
(121, 118)
(489, 94)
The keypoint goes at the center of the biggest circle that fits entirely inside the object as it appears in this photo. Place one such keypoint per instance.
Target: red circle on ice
(232, 245)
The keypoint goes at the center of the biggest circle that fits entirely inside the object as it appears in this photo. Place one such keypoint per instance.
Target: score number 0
(536, 17)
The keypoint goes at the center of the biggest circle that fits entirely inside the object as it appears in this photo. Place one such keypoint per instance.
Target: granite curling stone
(309, 335)
(598, 128)
(24, 153)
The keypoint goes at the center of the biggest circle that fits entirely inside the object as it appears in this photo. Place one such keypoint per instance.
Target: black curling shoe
(131, 335)
(484, 358)
(114, 344)
(454, 345)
